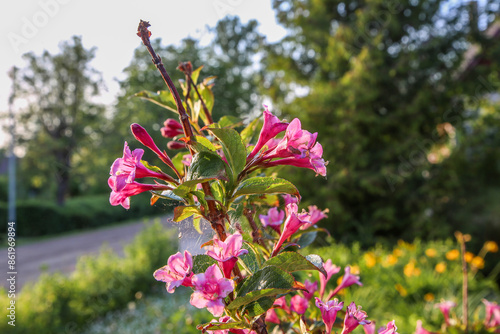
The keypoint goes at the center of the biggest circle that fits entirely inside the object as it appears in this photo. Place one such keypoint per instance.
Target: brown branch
(145, 34)
(187, 69)
(259, 326)
(256, 233)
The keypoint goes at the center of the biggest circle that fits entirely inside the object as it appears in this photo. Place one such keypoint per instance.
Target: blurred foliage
(61, 304)
(60, 127)
(402, 283)
(385, 86)
(39, 218)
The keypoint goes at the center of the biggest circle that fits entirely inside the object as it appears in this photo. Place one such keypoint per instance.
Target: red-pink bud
(172, 128)
(175, 145)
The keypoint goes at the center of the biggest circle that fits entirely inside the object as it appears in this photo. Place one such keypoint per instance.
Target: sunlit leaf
(292, 261)
(265, 185)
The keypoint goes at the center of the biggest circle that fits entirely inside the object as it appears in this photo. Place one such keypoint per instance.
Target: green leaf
(163, 98)
(217, 191)
(205, 165)
(265, 185)
(201, 263)
(234, 149)
(150, 167)
(183, 212)
(197, 224)
(250, 134)
(250, 260)
(169, 194)
(269, 281)
(213, 326)
(202, 144)
(184, 189)
(291, 261)
(177, 161)
(259, 306)
(229, 121)
(195, 74)
(207, 96)
(307, 238)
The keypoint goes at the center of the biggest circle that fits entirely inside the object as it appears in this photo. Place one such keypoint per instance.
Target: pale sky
(111, 25)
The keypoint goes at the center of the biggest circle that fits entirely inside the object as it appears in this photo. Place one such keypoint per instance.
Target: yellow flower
(355, 270)
(397, 252)
(440, 267)
(491, 246)
(410, 270)
(478, 262)
(390, 260)
(370, 259)
(430, 252)
(469, 256)
(452, 254)
(429, 297)
(402, 291)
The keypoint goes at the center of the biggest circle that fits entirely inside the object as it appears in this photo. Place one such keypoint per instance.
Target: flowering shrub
(245, 280)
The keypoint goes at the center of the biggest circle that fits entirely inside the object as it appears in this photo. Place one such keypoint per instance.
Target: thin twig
(145, 34)
(256, 233)
(185, 67)
(465, 293)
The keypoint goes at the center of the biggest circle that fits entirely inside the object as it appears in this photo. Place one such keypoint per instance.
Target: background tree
(60, 123)
(379, 80)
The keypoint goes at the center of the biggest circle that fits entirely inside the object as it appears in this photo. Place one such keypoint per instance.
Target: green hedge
(37, 218)
(60, 304)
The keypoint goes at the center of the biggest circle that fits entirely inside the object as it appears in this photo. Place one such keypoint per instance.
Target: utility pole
(12, 157)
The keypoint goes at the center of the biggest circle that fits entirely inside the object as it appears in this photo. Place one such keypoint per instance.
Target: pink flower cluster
(212, 286)
(297, 147)
(294, 220)
(126, 169)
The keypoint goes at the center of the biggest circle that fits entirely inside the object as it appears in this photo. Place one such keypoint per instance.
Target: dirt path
(61, 253)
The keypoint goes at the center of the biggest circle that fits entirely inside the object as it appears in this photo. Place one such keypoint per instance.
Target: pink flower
(186, 160)
(145, 139)
(492, 316)
(369, 328)
(313, 160)
(272, 126)
(210, 290)
(227, 252)
(290, 199)
(311, 288)
(313, 216)
(281, 303)
(171, 129)
(273, 219)
(122, 197)
(420, 329)
(272, 317)
(445, 307)
(353, 318)
(329, 312)
(299, 304)
(292, 225)
(177, 272)
(316, 214)
(389, 329)
(331, 270)
(129, 167)
(296, 142)
(347, 280)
